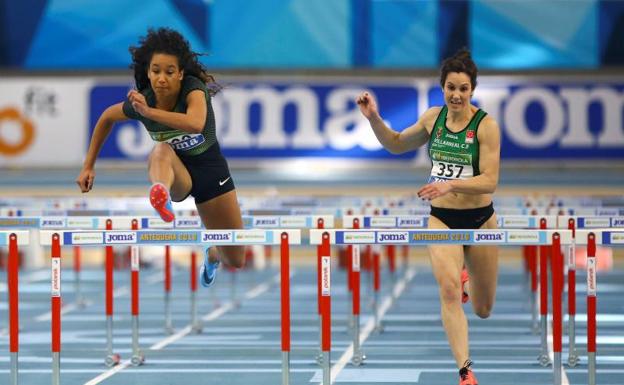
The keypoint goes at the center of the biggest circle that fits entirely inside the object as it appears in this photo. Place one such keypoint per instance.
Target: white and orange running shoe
(161, 202)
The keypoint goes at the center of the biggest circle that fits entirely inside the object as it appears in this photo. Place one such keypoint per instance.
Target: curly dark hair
(460, 62)
(170, 42)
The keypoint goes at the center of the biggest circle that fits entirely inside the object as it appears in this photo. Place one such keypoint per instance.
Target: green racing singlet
(454, 155)
(184, 143)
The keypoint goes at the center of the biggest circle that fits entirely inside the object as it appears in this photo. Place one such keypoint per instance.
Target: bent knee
(483, 311)
(450, 293)
(234, 256)
(161, 151)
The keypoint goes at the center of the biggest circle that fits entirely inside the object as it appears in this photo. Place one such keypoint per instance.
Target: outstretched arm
(489, 164)
(101, 131)
(192, 121)
(409, 139)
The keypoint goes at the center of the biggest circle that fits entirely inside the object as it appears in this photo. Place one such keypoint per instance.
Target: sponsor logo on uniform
(490, 237)
(470, 136)
(186, 142)
(393, 237)
(217, 236)
(119, 237)
(435, 179)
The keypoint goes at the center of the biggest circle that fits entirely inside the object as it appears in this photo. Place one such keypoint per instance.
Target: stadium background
(550, 73)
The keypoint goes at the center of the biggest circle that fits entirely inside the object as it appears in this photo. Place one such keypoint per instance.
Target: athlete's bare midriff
(462, 201)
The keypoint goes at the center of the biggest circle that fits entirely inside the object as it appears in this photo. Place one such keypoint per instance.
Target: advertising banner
(49, 121)
(43, 121)
(554, 119)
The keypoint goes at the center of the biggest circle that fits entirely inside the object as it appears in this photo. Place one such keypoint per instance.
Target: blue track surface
(241, 345)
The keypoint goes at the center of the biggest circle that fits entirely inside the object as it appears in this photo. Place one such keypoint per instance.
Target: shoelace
(463, 372)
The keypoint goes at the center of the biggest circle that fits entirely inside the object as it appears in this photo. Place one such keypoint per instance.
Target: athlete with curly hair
(464, 147)
(173, 101)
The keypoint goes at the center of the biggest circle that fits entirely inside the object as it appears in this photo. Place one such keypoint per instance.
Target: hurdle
(504, 222)
(124, 222)
(580, 222)
(13, 239)
(553, 238)
(591, 238)
(354, 253)
(283, 237)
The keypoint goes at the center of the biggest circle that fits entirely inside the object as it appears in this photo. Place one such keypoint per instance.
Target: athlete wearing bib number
(464, 148)
(173, 101)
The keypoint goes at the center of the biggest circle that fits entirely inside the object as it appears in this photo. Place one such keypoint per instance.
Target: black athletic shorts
(210, 174)
(463, 218)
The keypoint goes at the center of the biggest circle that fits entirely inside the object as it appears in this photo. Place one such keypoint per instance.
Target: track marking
(398, 289)
(216, 313)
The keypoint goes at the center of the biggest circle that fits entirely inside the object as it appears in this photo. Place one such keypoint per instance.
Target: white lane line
(254, 292)
(120, 291)
(398, 289)
(317, 372)
(165, 370)
(603, 361)
(218, 312)
(64, 310)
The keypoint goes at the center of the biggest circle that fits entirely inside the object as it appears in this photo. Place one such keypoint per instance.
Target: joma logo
(392, 237)
(265, 222)
(217, 237)
(120, 237)
(489, 237)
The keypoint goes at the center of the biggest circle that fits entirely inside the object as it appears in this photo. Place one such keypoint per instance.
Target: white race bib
(447, 171)
(186, 142)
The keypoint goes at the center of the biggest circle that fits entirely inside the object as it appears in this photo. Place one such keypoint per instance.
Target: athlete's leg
(165, 167)
(223, 212)
(482, 264)
(447, 262)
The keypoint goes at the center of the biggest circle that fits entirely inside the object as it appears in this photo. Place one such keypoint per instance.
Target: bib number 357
(448, 170)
